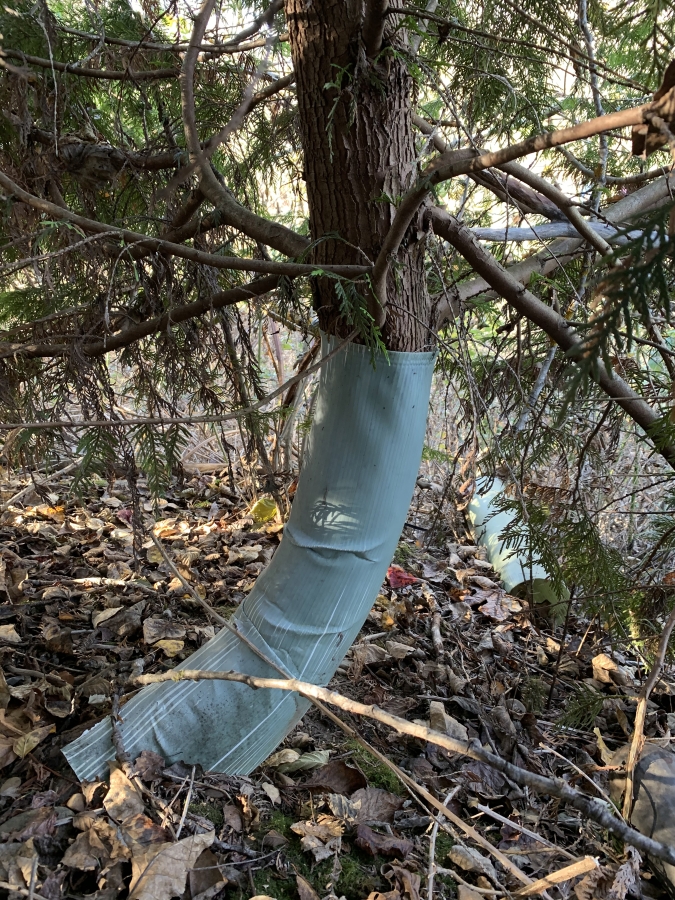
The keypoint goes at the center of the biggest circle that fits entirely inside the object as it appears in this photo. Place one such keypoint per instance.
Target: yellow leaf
(264, 510)
(170, 648)
(23, 745)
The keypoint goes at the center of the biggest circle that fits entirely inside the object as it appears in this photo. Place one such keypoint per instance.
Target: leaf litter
(444, 645)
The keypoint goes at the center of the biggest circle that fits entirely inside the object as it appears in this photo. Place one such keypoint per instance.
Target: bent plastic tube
(308, 606)
(520, 575)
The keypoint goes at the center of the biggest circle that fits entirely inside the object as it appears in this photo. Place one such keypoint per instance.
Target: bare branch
(594, 810)
(158, 324)
(236, 263)
(560, 252)
(270, 233)
(228, 47)
(106, 74)
(372, 33)
(550, 321)
(449, 165)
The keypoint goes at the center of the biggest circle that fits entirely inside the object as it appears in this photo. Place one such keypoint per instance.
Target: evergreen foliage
(487, 74)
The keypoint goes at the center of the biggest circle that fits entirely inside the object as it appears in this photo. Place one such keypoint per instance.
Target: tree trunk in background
(359, 158)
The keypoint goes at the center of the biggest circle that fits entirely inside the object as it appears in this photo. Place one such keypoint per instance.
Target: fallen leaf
(98, 618)
(23, 745)
(398, 577)
(150, 765)
(398, 650)
(305, 889)
(337, 778)
(87, 852)
(9, 635)
(160, 871)
(324, 829)
(170, 648)
(471, 861)
(499, 606)
(307, 761)
(159, 629)
(281, 757)
(406, 882)
(382, 844)
(205, 876)
(272, 792)
(122, 800)
(376, 805)
(10, 787)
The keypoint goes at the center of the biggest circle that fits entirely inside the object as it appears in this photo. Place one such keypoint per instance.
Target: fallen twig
(431, 872)
(578, 868)
(526, 831)
(591, 808)
(637, 742)
(45, 481)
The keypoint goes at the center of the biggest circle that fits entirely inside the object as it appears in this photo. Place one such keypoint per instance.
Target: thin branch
(594, 810)
(179, 420)
(637, 743)
(292, 270)
(550, 321)
(561, 252)
(233, 213)
(449, 165)
(156, 325)
(579, 59)
(106, 74)
(228, 47)
(372, 33)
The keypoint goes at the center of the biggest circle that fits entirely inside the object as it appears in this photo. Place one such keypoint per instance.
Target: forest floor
(81, 616)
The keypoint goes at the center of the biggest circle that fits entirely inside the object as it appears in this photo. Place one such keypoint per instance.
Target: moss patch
(377, 774)
(208, 811)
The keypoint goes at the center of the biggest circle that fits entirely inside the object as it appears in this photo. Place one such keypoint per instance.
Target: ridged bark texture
(359, 153)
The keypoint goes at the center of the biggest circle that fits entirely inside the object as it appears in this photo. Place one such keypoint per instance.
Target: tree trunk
(359, 158)
(367, 434)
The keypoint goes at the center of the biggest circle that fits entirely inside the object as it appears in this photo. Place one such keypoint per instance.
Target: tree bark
(358, 140)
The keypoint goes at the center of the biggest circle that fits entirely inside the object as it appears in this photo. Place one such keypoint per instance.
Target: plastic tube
(520, 575)
(308, 606)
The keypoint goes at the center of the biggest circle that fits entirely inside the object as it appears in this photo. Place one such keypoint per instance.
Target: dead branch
(156, 325)
(591, 808)
(236, 263)
(105, 74)
(550, 321)
(587, 864)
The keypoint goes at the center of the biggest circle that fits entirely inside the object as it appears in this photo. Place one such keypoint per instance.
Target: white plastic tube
(308, 606)
(520, 575)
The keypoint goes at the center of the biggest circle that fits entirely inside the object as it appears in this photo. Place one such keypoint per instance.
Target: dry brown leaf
(499, 606)
(160, 871)
(305, 889)
(87, 852)
(376, 805)
(324, 829)
(337, 778)
(149, 765)
(8, 634)
(122, 800)
(159, 629)
(382, 844)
